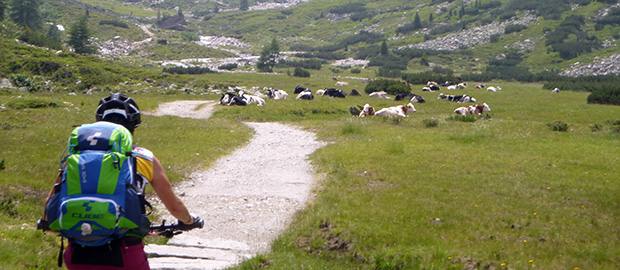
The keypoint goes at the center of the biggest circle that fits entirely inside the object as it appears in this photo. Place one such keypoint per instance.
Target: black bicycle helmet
(119, 109)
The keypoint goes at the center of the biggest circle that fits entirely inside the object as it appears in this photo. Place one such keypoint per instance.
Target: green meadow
(505, 191)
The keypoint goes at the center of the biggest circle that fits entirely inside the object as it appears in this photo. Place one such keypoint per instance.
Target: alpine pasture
(505, 191)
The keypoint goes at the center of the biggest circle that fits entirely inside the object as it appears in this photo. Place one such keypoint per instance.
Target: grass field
(503, 192)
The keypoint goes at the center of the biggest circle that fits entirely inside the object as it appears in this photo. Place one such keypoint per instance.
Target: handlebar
(167, 231)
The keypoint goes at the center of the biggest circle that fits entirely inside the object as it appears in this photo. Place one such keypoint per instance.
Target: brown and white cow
(400, 110)
(473, 109)
(367, 111)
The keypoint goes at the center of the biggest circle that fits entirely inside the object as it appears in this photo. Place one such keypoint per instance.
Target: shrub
(463, 118)
(392, 87)
(605, 96)
(230, 66)
(558, 126)
(430, 122)
(188, 70)
(114, 23)
(514, 28)
(356, 70)
(32, 103)
(300, 72)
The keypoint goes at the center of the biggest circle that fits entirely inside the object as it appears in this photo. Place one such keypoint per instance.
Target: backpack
(97, 200)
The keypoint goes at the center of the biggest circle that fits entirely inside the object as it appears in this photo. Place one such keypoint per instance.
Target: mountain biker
(128, 252)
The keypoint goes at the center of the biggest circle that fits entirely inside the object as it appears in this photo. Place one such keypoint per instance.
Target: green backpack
(97, 201)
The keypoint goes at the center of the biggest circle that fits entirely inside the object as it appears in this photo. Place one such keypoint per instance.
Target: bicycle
(170, 230)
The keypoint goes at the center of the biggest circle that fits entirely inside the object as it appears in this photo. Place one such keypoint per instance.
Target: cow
(494, 88)
(452, 87)
(457, 98)
(367, 111)
(473, 109)
(479, 86)
(404, 96)
(250, 99)
(299, 89)
(332, 92)
(461, 85)
(355, 93)
(320, 92)
(379, 94)
(556, 90)
(307, 95)
(414, 98)
(230, 99)
(276, 94)
(341, 83)
(400, 110)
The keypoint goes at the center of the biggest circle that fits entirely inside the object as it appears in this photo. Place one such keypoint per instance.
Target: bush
(114, 23)
(430, 122)
(514, 28)
(300, 72)
(356, 71)
(558, 126)
(188, 70)
(463, 118)
(230, 66)
(32, 103)
(605, 96)
(392, 87)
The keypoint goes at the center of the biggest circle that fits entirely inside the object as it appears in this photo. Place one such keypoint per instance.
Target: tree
(417, 24)
(384, 48)
(244, 5)
(430, 17)
(26, 13)
(269, 56)
(79, 35)
(53, 34)
(2, 8)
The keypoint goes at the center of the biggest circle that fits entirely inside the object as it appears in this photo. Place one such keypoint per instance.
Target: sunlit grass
(502, 192)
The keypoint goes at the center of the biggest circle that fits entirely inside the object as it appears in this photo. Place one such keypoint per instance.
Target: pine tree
(2, 8)
(430, 17)
(384, 48)
(244, 5)
(26, 13)
(417, 24)
(78, 36)
(53, 34)
(269, 56)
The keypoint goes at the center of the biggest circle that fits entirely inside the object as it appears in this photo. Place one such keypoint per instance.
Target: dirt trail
(247, 199)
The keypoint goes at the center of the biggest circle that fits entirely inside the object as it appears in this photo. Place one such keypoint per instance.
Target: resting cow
(400, 110)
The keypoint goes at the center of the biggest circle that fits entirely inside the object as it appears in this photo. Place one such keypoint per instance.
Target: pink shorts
(124, 255)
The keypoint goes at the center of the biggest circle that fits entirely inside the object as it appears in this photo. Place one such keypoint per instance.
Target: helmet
(119, 109)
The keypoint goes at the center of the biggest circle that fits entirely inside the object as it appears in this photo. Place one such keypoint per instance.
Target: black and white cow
(299, 89)
(230, 99)
(307, 95)
(414, 98)
(333, 92)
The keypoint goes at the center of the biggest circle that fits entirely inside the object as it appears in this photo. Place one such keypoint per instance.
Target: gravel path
(247, 199)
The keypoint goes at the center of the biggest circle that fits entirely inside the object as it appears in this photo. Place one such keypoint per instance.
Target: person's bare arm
(164, 191)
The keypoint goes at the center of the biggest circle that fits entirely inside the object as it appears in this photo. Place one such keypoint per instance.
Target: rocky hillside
(568, 37)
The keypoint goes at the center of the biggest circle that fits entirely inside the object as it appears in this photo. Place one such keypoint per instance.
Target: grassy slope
(506, 190)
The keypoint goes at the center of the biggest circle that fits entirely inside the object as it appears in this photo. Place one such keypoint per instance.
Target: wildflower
(524, 241)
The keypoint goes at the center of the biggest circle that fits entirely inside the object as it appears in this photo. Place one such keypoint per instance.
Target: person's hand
(198, 223)
(42, 224)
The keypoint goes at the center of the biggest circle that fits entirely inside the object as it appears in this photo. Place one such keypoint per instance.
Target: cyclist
(128, 252)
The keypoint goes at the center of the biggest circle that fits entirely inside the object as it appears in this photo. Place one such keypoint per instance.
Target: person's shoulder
(142, 152)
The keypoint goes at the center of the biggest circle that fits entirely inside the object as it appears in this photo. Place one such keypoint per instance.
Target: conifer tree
(2, 8)
(244, 5)
(384, 48)
(417, 24)
(26, 13)
(79, 35)
(269, 56)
